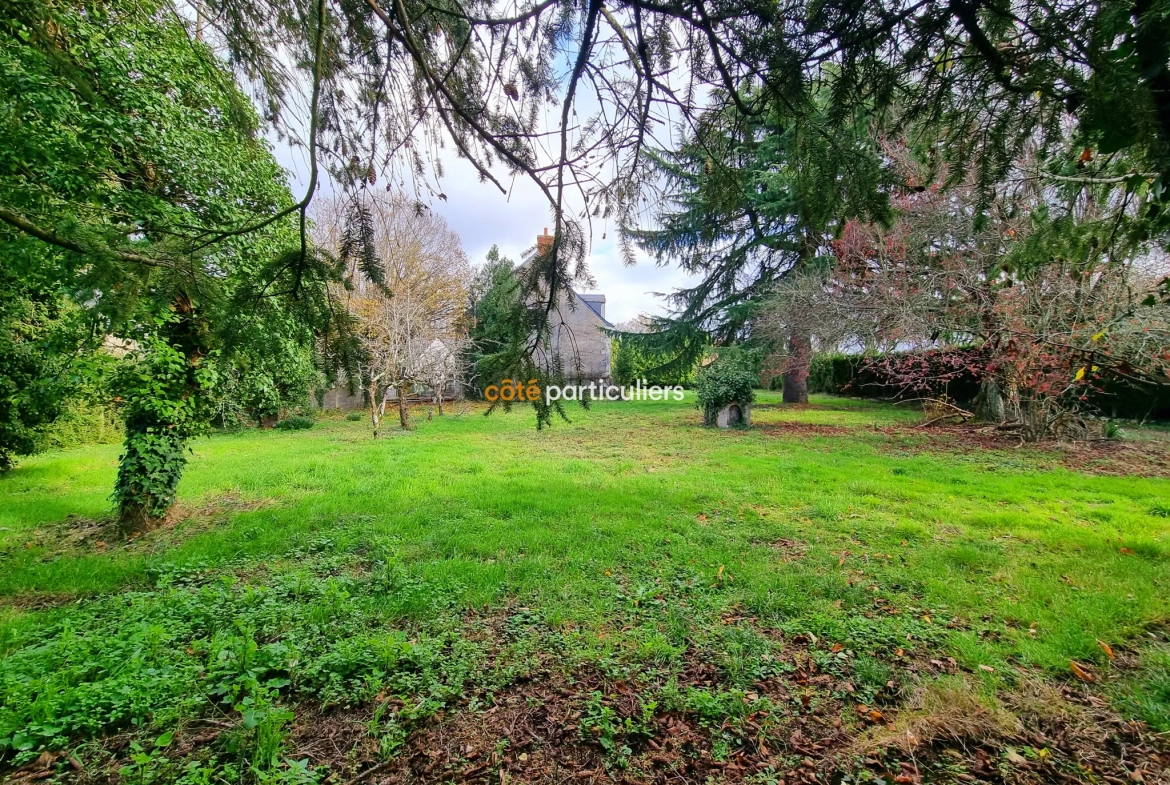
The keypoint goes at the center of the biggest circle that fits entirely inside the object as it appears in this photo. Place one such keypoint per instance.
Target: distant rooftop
(595, 302)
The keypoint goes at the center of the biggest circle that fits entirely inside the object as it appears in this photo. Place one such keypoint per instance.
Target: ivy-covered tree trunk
(163, 394)
(149, 471)
(796, 371)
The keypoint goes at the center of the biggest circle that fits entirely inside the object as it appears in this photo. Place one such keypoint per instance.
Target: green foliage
(34, 379)
(135, 181)
(84, 422)
(353, 416)
(495, 319)
(162, 393)
(195, 642)
(114, 116)
(632, 360)
(296, 423)
(731, 378)
(258, 384)
(827, 373)
(617, 736)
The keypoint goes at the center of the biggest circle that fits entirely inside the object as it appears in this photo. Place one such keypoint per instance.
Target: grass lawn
(831, 595)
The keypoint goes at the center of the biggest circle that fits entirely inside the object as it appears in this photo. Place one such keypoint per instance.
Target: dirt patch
(1108, 457)
(799, 429)
(38, 601)
(593, 723)
(76, 533)
(585, 727)
(546, 730)
(1123, 459)
(1039, 732)
(790, 550)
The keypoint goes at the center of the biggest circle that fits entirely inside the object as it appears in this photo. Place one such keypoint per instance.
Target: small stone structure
(734, 415)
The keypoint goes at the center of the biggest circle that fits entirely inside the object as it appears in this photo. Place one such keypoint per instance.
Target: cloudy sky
(482, 216)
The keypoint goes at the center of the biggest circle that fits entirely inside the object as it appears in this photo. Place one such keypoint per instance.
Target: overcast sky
(482, 216)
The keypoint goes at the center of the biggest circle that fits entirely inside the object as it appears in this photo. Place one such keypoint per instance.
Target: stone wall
(576, 338)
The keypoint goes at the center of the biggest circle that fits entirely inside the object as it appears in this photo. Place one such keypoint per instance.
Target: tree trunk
(135, 520)
(403, 419)
(375, 408)
(796, 370)
(989, 404)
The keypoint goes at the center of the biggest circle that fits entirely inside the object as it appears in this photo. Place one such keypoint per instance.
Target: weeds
(617, 735)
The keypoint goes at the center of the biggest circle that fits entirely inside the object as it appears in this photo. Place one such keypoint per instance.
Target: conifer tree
(747, 201)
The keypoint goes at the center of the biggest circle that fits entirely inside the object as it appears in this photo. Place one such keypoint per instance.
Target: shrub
(255, 386)
(956, 374)
(353, 416)
(295, 423)
(83, 422)
(731, 378)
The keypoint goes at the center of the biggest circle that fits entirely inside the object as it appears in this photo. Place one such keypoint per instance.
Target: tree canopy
(125, 144)
(576, 95)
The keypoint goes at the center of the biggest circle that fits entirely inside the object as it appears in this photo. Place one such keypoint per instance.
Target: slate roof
(594, 302)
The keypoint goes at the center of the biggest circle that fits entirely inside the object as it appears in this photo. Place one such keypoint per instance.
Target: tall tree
(493, 321)
(123, 145)
(748, 201)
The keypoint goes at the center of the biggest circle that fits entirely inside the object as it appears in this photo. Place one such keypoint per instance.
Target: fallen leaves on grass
(1081, 672)
(533, 731)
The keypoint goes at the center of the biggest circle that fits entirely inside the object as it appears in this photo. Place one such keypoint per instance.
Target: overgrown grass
(629, 536)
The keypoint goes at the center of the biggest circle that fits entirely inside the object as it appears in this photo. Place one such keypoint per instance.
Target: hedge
(860, 376)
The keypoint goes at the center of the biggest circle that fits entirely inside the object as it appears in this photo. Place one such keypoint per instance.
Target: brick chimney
(544, 241)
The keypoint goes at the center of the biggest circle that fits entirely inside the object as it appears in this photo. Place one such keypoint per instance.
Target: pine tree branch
(14, 219)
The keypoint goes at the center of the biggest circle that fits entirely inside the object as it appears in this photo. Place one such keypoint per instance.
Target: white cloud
(482, 216)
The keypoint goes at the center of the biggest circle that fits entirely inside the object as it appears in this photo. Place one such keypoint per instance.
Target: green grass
(318, 562)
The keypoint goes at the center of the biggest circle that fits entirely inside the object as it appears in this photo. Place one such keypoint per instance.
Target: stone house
(577, 341)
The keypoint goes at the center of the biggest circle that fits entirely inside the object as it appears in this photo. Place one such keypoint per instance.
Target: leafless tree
(417, 304)
(947, 275)
(440, 367)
